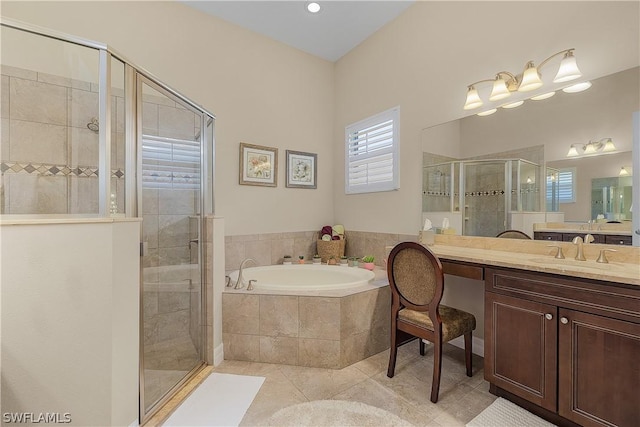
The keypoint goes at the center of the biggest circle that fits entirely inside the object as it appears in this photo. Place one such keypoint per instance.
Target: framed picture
(258, 165)
(301, 169)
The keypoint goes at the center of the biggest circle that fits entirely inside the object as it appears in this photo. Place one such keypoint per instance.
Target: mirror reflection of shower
(94, 125)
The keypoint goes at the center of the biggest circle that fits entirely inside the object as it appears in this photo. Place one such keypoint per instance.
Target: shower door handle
(143, 248)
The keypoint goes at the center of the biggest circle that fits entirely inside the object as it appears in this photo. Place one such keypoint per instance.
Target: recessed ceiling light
(313, 7)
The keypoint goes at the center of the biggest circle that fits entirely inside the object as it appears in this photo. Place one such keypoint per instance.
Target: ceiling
(335, 30)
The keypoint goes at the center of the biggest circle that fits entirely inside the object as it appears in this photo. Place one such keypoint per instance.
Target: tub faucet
(578, 242)
(239, 283)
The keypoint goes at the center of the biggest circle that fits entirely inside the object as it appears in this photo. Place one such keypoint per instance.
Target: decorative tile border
(54, 170)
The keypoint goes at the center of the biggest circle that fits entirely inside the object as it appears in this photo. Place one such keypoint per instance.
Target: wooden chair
(513, 234)
(417, 283)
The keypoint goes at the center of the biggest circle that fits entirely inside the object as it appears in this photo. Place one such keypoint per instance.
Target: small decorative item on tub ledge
(317, 259)
(344, 261)
(332, 260)
(301, 259)
(368, 262)
(331, 242)
(286, 260)
(353, 261)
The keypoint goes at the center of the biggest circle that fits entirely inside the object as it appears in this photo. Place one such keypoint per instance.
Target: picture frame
(302, 170)
(258, 165)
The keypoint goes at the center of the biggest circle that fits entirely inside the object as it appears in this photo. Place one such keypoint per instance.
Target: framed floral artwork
(301, 169)
(258, 165)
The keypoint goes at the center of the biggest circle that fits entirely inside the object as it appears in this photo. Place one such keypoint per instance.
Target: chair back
(415, 276)
(513, 234)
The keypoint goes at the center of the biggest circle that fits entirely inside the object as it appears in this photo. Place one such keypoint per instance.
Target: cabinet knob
(564, 320)
(548, 316)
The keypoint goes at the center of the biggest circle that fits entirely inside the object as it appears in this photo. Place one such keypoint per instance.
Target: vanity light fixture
(605, 145)
(488, 112)
(313, 7)
(623, 172)
(513, 104)
(543, 96)
(578, 87)
(505, 82)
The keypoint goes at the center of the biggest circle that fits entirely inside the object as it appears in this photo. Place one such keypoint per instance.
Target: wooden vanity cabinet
(570, 346)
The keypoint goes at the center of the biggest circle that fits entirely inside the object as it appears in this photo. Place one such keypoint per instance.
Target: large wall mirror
(539, 132)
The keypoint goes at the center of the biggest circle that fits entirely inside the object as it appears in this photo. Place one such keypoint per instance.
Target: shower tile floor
(406, 395)
(166, 363)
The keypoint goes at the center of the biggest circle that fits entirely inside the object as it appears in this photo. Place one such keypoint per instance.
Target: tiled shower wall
(48, 156)
(269, 249)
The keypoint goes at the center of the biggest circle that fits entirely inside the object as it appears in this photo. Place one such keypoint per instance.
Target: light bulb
(573, 152)
(473, 99)
(568, 69)
(500, 90)
(530, 78)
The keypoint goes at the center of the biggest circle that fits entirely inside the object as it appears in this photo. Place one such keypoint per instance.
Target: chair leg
(422, 347)
(393, 351)
(467, 351)
(437, 370)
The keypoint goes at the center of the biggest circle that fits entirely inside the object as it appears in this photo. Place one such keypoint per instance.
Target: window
(372, 153)
(566, 186)
(170, 163)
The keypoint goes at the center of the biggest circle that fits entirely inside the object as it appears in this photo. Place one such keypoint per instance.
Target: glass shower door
(170, 197)
(484, 198)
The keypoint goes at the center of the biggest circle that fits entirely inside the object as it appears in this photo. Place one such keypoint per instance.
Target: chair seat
(454, 322)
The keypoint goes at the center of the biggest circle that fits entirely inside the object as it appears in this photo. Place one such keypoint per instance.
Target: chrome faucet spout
(578, 242)
(240, 282)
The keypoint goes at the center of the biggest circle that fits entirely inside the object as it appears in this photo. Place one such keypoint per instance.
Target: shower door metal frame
(140, 79)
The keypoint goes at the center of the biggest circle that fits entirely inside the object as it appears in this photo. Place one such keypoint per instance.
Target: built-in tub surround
(325, 329)
(270, 248)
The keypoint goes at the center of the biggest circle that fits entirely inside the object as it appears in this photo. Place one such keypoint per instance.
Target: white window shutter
(170, 163)
(372, 153)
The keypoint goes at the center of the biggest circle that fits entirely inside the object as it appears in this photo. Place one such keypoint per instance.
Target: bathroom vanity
(609, 238)
(562, 337)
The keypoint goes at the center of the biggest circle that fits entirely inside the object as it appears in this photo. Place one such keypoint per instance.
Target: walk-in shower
(484, 193)
(87, 134)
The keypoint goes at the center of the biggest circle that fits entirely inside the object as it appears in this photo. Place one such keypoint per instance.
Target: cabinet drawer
(540, 235)
(615, 239)
(596, 297)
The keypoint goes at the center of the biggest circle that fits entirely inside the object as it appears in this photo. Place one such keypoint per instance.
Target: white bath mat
(502, 413)
(221, 400)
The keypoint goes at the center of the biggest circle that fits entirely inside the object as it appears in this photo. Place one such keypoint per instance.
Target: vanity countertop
(532, 255)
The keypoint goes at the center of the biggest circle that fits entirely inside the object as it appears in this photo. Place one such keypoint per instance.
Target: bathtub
(307, 315)
(304, 277)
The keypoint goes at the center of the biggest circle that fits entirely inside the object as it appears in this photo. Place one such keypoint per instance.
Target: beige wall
(261, 91)
(423, 60)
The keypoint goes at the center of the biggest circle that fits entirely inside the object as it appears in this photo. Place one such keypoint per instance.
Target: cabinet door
(521, 348)
(599, 367)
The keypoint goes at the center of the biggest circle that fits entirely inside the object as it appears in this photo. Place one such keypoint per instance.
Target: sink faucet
(239, 283)
(578, 242)
(588, 239)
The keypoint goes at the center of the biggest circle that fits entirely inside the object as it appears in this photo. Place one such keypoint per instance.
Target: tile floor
(406, 395)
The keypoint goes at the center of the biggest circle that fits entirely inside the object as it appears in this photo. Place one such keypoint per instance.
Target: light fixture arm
(554, 55)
